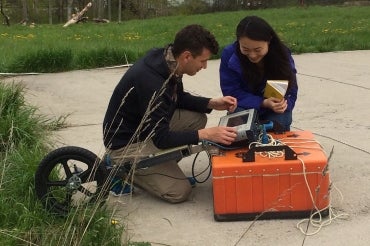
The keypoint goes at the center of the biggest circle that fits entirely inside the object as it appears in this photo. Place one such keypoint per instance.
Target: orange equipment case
(248, 186)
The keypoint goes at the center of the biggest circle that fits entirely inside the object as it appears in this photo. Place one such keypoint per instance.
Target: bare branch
(77, 17)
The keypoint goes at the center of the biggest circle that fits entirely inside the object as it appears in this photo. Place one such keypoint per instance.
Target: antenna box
(248, 185)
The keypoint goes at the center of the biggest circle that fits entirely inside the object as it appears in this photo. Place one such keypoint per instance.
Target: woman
(256, 56)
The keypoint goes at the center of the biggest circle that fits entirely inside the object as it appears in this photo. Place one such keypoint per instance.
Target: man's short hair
(194, 38)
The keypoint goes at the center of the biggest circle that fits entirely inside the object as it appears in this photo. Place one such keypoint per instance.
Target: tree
(24, 12)
(119, 10)
(50, 12)
(6, 18)
(109, 10)
(69, 9)
(36, 7)
(100, 6)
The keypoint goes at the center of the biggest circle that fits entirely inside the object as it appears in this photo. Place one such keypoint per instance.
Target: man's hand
(276, 105)
(228, 103)
(219, 134)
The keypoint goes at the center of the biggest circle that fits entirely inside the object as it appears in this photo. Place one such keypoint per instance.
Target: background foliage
(58, 11)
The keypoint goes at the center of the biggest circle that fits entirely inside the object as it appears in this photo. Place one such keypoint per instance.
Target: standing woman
(256, 56)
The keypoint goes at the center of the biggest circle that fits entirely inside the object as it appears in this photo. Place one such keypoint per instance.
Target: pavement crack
(335, 81)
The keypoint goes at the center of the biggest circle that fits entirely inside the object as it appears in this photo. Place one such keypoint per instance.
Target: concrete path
(333, 103)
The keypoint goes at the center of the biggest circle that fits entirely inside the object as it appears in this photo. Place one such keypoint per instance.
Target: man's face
(191, 65)
(253, 49)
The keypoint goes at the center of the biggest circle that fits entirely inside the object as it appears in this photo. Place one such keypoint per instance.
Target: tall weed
(23, 220)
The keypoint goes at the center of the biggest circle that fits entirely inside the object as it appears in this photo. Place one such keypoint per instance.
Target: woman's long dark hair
(276, 61)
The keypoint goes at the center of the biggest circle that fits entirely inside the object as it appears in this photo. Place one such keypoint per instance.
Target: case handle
(289, 154)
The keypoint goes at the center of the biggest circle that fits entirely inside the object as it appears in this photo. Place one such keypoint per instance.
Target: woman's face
(254, 50)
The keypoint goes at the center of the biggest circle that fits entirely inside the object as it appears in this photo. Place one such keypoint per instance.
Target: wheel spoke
(84, 175)
(56, 183)
(66, 168)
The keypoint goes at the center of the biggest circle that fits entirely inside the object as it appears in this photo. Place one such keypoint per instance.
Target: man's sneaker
(118, 189)
(192, 181)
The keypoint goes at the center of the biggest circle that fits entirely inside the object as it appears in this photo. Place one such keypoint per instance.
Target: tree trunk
(50, 12)
(24, 12)
(36, 13)
(110, 10)
(119, 11)
(60, 10)
(69, 9)
(6, 18)
(36, 7)
(100, 6)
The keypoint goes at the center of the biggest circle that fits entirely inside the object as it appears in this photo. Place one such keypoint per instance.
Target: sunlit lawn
(312, 29)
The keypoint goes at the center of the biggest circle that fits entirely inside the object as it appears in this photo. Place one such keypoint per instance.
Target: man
(150, 111)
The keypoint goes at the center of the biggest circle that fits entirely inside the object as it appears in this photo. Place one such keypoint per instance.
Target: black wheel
(68, 177)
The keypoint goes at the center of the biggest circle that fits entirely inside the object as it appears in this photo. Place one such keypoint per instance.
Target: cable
(318, 223)
(208, 167)
(270, 142)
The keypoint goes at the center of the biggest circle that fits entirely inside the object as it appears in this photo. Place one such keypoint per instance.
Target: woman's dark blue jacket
(233, 83)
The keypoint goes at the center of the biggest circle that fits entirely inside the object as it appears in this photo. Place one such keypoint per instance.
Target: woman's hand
(277, 105)
(228, 103)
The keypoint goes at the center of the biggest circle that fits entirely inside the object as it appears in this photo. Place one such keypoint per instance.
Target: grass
(52, 48)
(24, 141)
